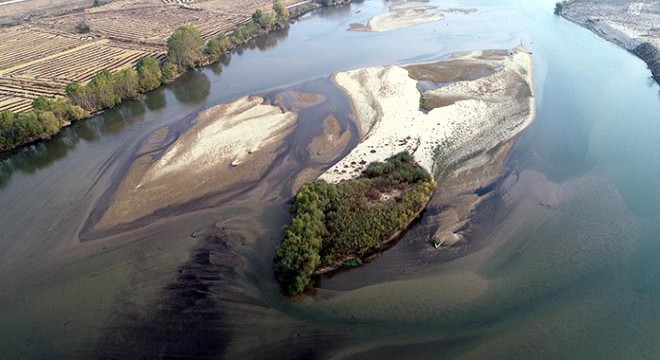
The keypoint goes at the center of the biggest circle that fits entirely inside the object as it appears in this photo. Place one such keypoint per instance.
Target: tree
(169, 72)
(213, 49)
(126, 84)
(149, 74)
(281, 11)
(41, 103)
(185, 47)
(80, 95)
(49, 122)
(225, 42)
(102, 90)
(262, 19)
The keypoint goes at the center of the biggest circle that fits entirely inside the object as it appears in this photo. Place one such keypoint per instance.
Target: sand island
(403, 14)
(416, 123)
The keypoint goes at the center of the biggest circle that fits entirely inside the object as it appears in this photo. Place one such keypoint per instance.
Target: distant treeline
(334, 225)
(186, 50)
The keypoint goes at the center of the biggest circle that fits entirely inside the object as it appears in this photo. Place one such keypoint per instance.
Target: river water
(563, 264)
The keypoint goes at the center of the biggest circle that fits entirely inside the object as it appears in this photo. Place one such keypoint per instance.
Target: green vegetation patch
(337, 224)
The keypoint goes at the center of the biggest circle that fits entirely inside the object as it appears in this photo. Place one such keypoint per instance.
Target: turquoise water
(578, 279)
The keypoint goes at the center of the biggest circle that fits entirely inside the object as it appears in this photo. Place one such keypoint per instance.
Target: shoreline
(646, 49)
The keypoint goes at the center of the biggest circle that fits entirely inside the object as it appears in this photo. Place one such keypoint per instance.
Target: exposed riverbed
(560, 262)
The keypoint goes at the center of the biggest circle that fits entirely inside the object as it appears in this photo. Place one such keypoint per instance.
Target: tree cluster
(108, 89)
(336, 224)
(45, 119)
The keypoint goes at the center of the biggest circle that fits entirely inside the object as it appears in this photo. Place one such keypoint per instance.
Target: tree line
(185, 50)
(335, 224)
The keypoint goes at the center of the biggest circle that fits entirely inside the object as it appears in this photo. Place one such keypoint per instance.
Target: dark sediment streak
(188, 320)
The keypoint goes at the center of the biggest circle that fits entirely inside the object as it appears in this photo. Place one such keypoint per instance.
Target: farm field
(13, 12)
(40, 56)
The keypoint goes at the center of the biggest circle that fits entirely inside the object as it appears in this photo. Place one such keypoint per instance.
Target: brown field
(43, 53)
(21, 11)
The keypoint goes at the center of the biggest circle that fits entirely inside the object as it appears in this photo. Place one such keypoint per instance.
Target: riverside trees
(185, 47)
(185, 50)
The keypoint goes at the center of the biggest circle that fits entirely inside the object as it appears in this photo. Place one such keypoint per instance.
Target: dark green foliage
(149, 74)
(399, 168)
(41, 103)
(352, 263)
(184, 47)
(332, 222)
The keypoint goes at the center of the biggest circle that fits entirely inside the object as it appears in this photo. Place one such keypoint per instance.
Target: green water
(578, 279)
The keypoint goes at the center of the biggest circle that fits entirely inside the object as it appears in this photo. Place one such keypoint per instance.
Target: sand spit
(403, 14)
(492, 103)
(230, 144)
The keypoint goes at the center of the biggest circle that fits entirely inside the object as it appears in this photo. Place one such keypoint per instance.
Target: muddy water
(561, 262)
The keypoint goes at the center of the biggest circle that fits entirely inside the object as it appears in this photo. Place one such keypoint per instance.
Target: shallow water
(563, 264)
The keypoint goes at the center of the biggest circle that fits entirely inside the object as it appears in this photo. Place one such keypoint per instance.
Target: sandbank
(402, 14)
(486, 109)
(230, 144)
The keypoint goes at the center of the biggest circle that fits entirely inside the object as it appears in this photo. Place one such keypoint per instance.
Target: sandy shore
(490, 103)
(230, 144)
(402, 14)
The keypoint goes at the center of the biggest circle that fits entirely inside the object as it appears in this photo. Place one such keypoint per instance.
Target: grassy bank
(335, 225)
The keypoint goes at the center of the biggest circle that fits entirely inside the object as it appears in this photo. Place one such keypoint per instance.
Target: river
(563, 264)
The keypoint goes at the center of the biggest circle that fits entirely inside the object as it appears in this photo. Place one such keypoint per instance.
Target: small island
(418, 124)
(336, 225)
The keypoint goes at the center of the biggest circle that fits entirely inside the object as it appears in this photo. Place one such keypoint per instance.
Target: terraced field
(42, 57)
(24, 44)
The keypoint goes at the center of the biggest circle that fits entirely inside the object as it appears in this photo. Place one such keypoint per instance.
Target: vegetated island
(417, 123)
(335, 225)
(630, 24)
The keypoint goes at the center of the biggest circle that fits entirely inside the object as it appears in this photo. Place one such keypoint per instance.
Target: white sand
(387, 107)
(225, 134)
(199, 161)
(404, 14)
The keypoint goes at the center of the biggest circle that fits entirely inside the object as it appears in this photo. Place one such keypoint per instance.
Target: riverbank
(629, 24)
(24, 116)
